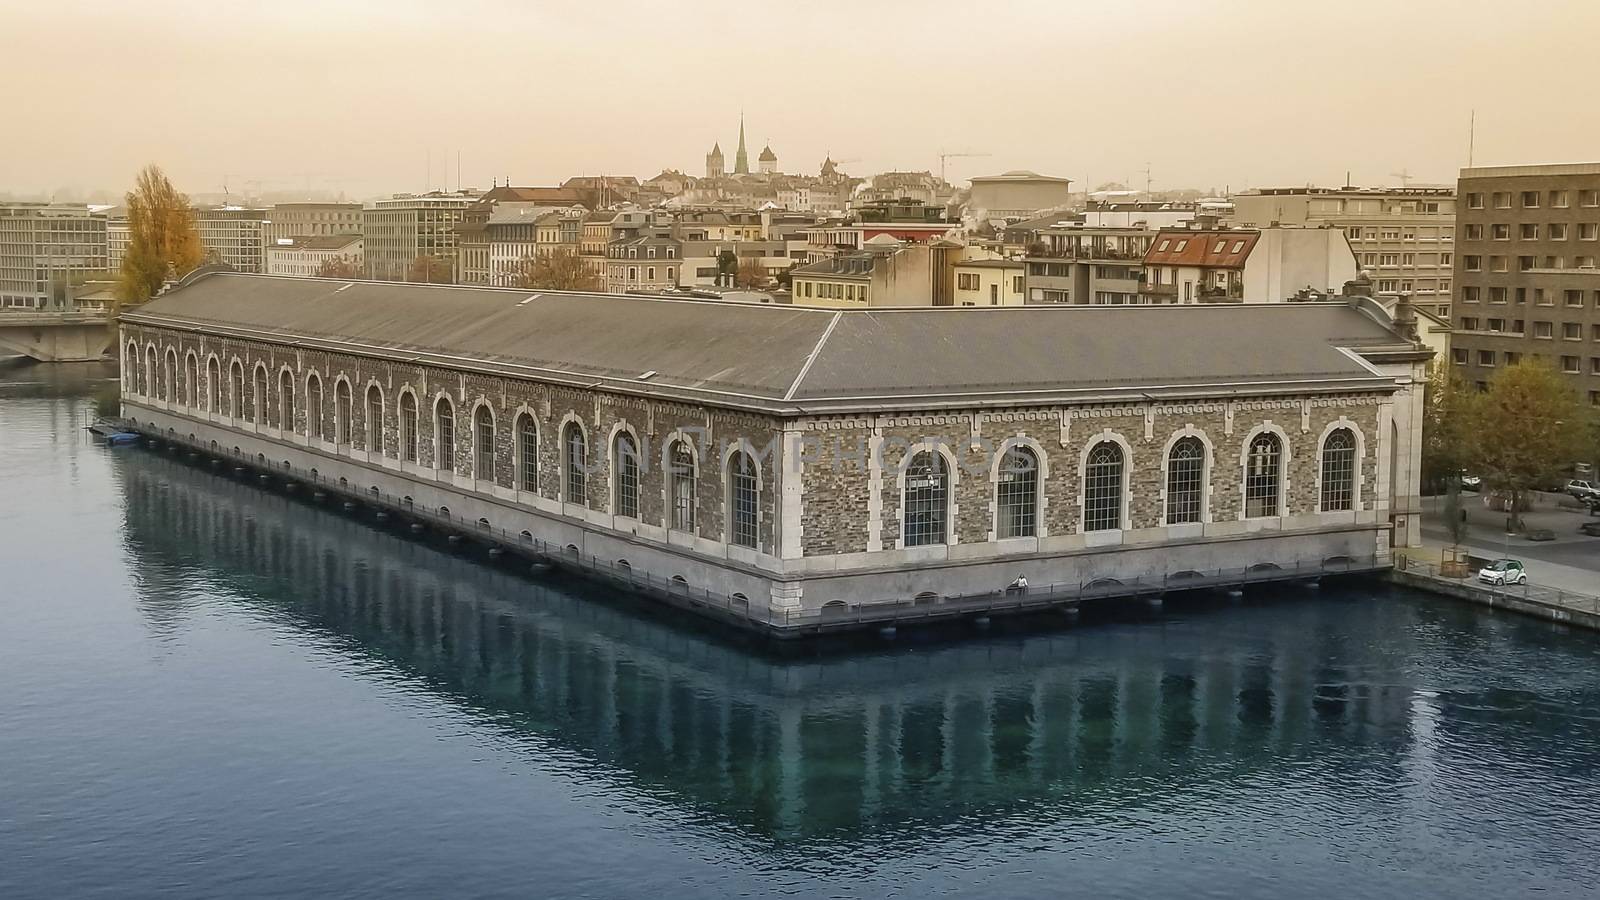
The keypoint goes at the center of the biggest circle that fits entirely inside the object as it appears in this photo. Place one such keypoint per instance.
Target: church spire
(741, 160)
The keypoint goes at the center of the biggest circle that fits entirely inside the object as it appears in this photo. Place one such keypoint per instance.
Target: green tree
(1446, 424)
(1526, 430)
(431, 270)
(163, 241)
(560, 270)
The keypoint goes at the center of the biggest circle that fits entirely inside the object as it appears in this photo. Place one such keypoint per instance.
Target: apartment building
(397, 231)
(1231, 265)
(118, 236)
(885, 272)
(1072, 263)
(44, 247)
(990, 282)
(647, 263)
(1403, 236)
(1526, 277)
(294, 220)
(233, 235)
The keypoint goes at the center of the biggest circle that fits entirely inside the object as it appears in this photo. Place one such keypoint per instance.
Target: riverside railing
(1529, 591)
(741, 611)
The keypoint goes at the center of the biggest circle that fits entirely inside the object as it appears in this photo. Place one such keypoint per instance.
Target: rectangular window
(1573, 298)
(1474, 201)
(1590, 197)
(1558, 231)
(1594, 365)
(1470, 294)
(1528, 231)
(1502, 199)
(1558, 199)
(1486, 358)
(1587, 231)
(1469, 323)
(1544, 330)
(1530, 199)
(1569, 365)
(1458, 355)
(1500, 231)
(1472, 263)
(1571, 331)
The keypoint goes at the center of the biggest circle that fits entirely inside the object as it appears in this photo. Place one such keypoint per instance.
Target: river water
(209, 689)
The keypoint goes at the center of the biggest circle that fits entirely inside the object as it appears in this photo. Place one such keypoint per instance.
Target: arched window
(527, 453)
(681, 484)
(927, 500)
(258, 396)
(1186, 478)
(152, 378)
(408, 426)
(374, 435)
(130, 369)
(1016, 494)
(1262, 476)
(1102, 488)
(1339, 471)
(626, 455)
(213, 386)
(169, 376)
(483, 443)
(286, 400)
(343, 411)
(575, 449)
(191, 381)
(743, 491)
(236, 390)
(314, 406)
(444, 435)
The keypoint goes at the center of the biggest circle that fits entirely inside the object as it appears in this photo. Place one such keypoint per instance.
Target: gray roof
(787, 359)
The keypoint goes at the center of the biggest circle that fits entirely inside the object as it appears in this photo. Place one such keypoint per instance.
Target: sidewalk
(1540, 572)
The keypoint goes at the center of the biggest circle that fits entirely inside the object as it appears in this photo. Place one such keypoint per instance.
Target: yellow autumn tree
(163, 241)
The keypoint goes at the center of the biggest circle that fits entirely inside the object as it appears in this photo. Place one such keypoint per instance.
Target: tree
(430, 270)
(750, 275)
(163, 241)
(1446, 424)
(339, 267)
(1525, 431)
(560, 270)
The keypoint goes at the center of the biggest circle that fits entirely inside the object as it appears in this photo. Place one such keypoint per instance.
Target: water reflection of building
(805, 750)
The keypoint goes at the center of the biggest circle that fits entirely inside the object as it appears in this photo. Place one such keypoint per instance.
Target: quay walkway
(1547, 595)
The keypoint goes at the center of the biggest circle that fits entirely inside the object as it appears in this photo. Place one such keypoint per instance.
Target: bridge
(75, 336)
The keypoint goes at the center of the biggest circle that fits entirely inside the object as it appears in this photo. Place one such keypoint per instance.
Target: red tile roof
(1201, 249)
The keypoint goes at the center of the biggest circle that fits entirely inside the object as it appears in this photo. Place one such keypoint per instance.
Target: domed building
(1018, 193)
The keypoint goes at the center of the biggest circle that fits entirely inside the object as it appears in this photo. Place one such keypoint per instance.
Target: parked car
(1592, 529)
(1583, 490)
(1503, 571)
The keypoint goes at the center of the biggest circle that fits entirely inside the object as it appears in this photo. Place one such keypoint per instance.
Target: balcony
(1159, 290)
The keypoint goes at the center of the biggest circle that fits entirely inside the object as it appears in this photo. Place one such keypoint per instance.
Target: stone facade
(830, 501)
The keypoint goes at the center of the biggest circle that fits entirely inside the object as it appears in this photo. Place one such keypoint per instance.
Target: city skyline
(1218, 97)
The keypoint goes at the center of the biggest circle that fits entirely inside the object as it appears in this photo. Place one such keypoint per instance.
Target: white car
(1503, 571)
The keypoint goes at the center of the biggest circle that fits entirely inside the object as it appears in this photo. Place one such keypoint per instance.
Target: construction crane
(1404, 175)
(944, 156)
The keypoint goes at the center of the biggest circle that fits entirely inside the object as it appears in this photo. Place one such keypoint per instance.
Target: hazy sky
(358, 93)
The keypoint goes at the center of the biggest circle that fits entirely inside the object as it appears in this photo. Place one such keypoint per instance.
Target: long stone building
(807, 461)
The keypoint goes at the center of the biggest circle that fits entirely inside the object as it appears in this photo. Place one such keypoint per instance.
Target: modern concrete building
(233, 236)
(798, 466)
(1526, 274)
(1212, 265)
(1018, 194)
(294, 220)
(304, 257)
(1403, 236)
(398, 231)
(44, 248)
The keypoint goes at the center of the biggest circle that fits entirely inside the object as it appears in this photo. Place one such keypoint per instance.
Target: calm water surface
(212, 690)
